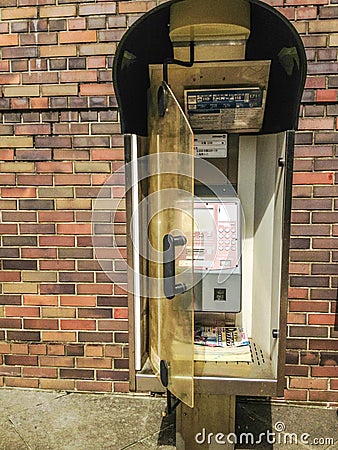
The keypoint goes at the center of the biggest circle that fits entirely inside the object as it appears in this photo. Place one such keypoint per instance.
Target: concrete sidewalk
(38, 420)
(55, 421)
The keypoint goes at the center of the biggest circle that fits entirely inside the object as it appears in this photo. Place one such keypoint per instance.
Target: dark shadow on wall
(253, 420)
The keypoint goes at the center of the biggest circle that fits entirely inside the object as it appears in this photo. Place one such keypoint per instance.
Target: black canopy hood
(272, 37)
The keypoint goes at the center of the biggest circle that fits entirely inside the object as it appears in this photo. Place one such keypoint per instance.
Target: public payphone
(209, 94)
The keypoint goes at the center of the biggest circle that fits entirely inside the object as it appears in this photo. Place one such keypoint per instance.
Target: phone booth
(209, 95)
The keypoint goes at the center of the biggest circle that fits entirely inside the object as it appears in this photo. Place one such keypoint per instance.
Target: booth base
(207, 425)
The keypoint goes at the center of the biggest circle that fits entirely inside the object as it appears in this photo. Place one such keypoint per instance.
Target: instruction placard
(211, 145)
(227, 109)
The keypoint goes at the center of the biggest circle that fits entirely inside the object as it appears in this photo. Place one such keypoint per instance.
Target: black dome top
(272, 37)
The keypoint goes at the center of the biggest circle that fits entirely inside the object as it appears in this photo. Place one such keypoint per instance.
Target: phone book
(221, 344)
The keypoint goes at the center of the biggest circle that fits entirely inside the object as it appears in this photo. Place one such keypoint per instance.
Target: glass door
(170, 236)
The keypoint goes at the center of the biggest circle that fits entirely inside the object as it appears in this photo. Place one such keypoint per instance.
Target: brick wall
(312, 356)
(62, 322)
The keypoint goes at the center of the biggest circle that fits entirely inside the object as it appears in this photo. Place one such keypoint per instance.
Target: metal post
(207, 425)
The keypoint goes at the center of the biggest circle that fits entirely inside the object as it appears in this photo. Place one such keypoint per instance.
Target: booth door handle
(171, 288)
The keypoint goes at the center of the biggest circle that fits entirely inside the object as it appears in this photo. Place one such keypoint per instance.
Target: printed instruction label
(227, 109)
(211, 145)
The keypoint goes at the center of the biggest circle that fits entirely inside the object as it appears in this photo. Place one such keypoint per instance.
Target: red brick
(313, 178)
(58, 336)
(99, 289)
(59, 241)
(56, 349)
(5, 347)
(322, 319)
(78, 76)
(296, 344)
(322, 294)
(81, 324)
(312, 151)
(296, 318)
(10, 276)
(308, 306)
(74, 228)
(9, 79)
(96, 89)
(22, 360)
(57, 265)
(114, 375)
(56, 216)
(35, 180)
(94, 350)
(22, 382)
(303, 383)
(37, 349)
(77, 300)
(19, 103)
(121, 387)
(18, 192)
(77, 24)
(99, 9)
(310, 230)
(6, 155)
(327, 12)
(95, 363)
(334, 384)
(324, 371)
(113, 351)
(96, 386)
(10, 371)
(120, 313)
(39, 372)
(289, 13)
(96, 62)
(325, 243)
(316, 123)
(39, 103)
(4, 65)
(309, 12)
(77, 36)
(32, 129)
(70, 128)
(57, 361)
(71, 180)
(326, 95)
(8, 228)
(300, 293)
(41, 300)
(324, 217)
(77, 373)
(10, 323)
(298, 268)
(323, 396)
(309, 358)
(126, 7)
(19, 349)
(7, 179)
(9, 40)
(41, 324)
(22, 311)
